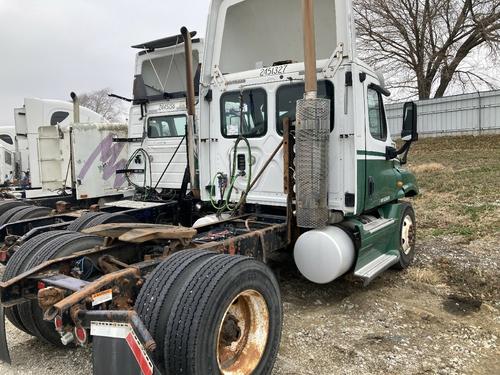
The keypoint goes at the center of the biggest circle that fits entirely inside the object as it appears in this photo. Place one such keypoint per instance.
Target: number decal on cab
(273, 70)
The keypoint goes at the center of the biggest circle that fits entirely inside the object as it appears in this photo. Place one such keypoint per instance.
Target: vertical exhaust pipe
(311, 83)
(76, 108)
(312, 138)
(191, 109)
(76, 120)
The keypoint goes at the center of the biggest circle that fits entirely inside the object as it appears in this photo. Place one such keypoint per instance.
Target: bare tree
(99, 101)
(426, 47)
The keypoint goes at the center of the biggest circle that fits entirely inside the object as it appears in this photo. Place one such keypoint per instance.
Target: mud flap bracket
(4, 348)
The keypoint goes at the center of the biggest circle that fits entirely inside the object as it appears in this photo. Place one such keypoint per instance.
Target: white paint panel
(97, 158)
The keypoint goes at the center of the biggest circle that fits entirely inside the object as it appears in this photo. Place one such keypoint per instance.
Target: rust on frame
(77, 297)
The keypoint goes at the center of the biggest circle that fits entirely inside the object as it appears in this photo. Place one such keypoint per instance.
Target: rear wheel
(227, 319)
(17, 263)
(407, 235)
(80, 223)
(108, 218)
(29, 213)
(30, 313)
(91, 219)
(7, 215)
(7, 205)
(156, 298)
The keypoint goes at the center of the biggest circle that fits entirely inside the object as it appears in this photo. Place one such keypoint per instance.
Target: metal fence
(476, 113)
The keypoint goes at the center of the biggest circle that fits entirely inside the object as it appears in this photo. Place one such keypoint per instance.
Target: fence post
(480, 117)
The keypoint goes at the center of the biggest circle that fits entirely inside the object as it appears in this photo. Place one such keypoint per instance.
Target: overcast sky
(49, 48)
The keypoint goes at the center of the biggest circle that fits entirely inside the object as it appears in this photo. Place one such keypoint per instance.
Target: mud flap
(116, 350)
(4, 348)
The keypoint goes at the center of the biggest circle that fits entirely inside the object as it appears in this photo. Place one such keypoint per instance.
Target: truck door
(164, 134)
(380, 177)
(247, 113)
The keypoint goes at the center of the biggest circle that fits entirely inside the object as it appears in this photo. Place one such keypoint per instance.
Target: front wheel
(227, 320)
(407, 235)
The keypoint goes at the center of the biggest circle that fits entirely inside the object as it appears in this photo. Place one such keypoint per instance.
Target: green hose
(226, 198)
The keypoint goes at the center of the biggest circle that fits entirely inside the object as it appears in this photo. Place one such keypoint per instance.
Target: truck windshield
(167, 126)
(167, 73)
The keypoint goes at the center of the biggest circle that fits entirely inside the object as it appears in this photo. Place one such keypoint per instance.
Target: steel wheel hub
(243, 334)
(407, 234)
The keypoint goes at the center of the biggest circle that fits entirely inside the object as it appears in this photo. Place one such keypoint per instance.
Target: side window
(7, 139)
(254, 114)
(8, 158)
(286, 102)
(58, 117)
(376, 118)
(167, 126)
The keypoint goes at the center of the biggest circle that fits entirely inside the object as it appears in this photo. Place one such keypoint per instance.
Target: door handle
(371, 186)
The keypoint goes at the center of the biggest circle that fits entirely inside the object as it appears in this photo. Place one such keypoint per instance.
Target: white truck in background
(34, 115)
(7, 153)
(158, 115)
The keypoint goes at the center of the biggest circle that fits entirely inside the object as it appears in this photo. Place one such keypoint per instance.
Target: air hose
(226, 194)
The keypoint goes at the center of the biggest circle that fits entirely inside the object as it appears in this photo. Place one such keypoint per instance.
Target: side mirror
(409, 132)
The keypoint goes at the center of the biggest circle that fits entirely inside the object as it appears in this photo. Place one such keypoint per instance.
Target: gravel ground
(441, 316)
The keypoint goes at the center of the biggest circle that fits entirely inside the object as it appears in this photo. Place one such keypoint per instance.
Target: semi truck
(83, 162)
(292, 153)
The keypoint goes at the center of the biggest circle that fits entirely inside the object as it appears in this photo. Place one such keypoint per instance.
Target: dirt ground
(440, 316)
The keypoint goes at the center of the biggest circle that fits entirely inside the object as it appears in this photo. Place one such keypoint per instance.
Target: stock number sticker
(273, 70)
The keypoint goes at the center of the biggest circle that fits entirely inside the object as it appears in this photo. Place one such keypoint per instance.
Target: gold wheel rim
(243, 334)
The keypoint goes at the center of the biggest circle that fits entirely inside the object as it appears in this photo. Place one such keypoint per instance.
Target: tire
(18, 261)
(407, 235)
(30, 313)
(79, 224)
(7, 205)
(29, 213)
(7, 215)
(108, 218)
(192, 339)
(158, 294)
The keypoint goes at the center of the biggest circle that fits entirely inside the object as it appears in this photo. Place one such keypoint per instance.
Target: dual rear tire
(43, 247)
(212, 314)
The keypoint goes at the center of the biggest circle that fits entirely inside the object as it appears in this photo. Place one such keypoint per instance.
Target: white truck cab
(158, 116)
(253, 75)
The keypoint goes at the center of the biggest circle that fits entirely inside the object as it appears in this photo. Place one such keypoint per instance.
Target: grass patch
(459, 179)
(424, 275)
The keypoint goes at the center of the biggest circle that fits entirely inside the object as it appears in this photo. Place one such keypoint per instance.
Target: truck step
(376, 267)
(376, 225)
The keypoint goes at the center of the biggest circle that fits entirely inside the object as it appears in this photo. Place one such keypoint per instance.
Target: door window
(251, 121)
(286, 102)
(167, 126)
(376, 116)
(58, 117)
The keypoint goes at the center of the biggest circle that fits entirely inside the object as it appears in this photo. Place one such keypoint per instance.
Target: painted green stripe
(370, 153)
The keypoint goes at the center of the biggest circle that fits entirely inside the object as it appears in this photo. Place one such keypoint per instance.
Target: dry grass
(424, 275)
(428, 167)
(459, 178)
